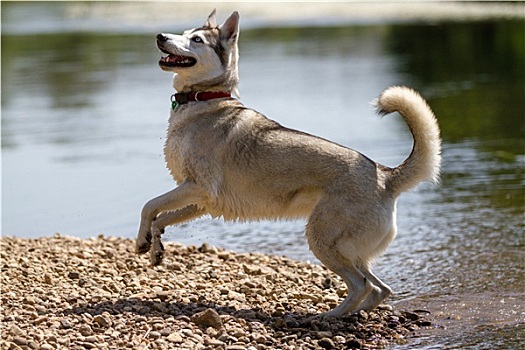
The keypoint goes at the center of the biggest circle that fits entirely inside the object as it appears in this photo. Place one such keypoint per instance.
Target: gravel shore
(68, 293)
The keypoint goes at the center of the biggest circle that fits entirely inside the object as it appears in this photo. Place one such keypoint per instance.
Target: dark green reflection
(472, 74)
(71, 65)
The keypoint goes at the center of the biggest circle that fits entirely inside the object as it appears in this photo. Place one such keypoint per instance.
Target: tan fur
(230, 161)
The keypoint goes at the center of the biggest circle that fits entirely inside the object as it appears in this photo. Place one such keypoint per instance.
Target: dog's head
(203, 58)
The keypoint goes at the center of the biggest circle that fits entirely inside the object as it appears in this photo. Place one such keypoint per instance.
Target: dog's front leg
(187, 193)
(167, 219)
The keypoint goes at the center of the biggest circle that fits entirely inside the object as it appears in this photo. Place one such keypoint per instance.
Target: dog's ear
(211, 22)
(230, 28)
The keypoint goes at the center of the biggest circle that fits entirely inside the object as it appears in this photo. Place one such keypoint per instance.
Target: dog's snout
(162, 37)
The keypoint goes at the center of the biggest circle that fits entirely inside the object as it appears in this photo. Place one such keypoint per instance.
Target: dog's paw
(143, 243)
(157, 253)
(332, 314)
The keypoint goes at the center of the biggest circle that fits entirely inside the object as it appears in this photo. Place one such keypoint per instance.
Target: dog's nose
(161, 37)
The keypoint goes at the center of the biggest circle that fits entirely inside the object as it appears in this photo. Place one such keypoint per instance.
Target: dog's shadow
(290, 322)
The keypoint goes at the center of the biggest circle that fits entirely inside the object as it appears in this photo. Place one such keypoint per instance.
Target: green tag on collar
(174, 103)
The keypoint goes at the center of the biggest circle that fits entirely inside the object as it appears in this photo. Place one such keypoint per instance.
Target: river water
(84, 114)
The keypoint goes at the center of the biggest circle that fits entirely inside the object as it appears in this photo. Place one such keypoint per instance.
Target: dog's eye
(197, 39)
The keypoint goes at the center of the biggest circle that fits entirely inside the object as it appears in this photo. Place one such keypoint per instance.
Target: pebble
(207, 318)
(101, 295)
(326, 343)
(175, 338)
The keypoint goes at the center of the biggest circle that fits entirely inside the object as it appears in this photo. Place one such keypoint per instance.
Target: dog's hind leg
(323, 238)
(167, 219)
(379, 293)
(358, 289)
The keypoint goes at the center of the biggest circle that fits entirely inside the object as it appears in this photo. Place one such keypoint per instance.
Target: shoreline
(63, 292)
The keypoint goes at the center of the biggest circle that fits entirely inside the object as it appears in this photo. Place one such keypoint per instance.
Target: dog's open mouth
(177, 61)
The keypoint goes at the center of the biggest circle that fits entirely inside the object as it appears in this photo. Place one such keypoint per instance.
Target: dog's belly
(249, 205)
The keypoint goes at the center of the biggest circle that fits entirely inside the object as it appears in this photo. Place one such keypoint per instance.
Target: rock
(206, 248)
(174, 338)
(20, 341)
(214, 343)
(48, 279)
(326, 343)
(154, 335)
(74, 275)
(65, 324)
(40, 320)
(15, 330)
(353, 344)
(207, 318)
(102, 321)
(251, 269)
(85, 330)
(411, 316)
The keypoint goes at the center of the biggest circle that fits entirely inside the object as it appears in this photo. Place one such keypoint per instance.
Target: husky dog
(231, 161)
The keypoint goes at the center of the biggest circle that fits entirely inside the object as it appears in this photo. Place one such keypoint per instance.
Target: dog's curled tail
(423, 164)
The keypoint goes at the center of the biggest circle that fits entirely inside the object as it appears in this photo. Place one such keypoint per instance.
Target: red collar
(182, 98)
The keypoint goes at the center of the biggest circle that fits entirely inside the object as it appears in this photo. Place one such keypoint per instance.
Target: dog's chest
(192, 145)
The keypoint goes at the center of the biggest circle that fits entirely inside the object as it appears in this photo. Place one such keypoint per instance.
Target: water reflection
(472, 73)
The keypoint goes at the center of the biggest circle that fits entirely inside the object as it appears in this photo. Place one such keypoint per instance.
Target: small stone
(40, 320)
(33, 345)
(224, 255)
(385, 307)
(29, 300)
(20, 341)
(411, 316)
(91, 339)
(102, 321)
(259, 338)
(363, 314)
(339, 339)
(85, 330)
(251, 269)
(326, 343)
(46, 346)
(86, 345)
(214, 343)
(353, 344)
(207, 318)
(48, 279)
(74, 275)
(324, 334)
(206, 248)
(15, 330)
(175, 338)
(154, 335)
(65, 324)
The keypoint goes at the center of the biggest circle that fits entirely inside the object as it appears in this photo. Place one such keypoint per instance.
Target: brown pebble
(17, 331)
(207, 318)
(20, 341)
(40, 320)
(85, 330)
(74, 275)
(102, 321)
